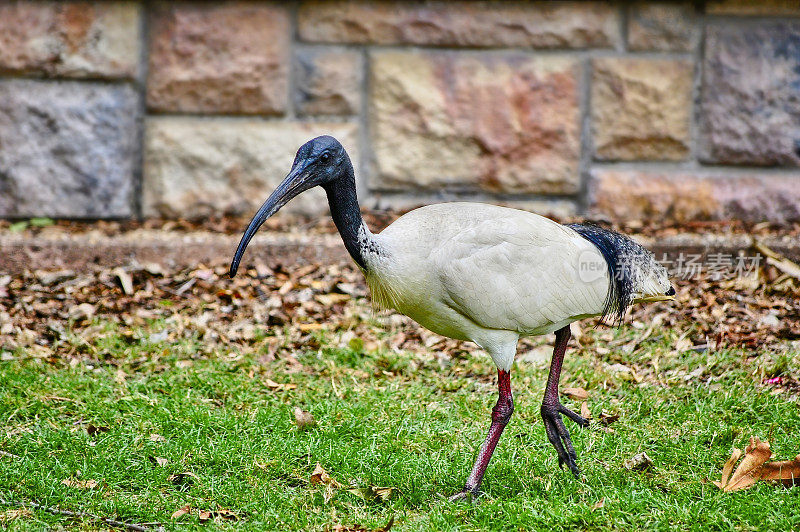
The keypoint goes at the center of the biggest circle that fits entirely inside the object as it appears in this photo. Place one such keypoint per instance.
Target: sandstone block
(502, 123)
(560, 209)
(67, 149)
(750, 104)
(753, 7)
(226, 58)
(663, 27)
(72, 39)
(440, 23)
(197, 167)
(641, 108)
(680, 196)
(328, 82)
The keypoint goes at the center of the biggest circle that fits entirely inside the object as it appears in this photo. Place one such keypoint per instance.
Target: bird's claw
(581, 421)
(559, 436)
(471, 496)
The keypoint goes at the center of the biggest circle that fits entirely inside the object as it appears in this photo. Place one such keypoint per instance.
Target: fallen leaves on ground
(205, 515)
(272, 385)
(638, 462)
(754, 467)
(183, 481)
(782, 263)
(277, 311)
(607, 418)
(304, 420)
(91, 429)
(80, 484)
(578, 394)
(221, 514)
(320, 476)
(157, 460)
(374, 492)
(786, 471)
(125, 279)
(180, 512)
(585, 412)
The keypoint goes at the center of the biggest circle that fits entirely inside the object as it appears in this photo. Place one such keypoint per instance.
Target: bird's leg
(552, 408)
(501, 413)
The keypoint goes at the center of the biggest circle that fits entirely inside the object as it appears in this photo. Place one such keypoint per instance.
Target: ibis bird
(481, 273)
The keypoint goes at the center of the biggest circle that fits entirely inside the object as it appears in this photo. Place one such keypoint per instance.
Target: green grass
(390, 420)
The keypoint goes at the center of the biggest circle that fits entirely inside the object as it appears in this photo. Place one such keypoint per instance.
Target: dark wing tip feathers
(612, 246)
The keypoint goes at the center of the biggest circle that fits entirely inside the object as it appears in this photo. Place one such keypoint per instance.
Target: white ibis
(482, 273)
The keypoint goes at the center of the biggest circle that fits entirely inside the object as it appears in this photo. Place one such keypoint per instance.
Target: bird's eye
(325, 157)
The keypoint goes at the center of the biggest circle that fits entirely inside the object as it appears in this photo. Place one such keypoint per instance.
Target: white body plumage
(489, 274)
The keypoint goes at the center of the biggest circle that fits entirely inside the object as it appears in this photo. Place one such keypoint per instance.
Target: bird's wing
(522, 273)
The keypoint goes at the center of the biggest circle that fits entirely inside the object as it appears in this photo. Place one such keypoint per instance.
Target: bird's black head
(321, 161)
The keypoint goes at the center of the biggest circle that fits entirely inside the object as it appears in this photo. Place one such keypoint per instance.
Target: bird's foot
(469, 495)
(559, 436)
(580, 420)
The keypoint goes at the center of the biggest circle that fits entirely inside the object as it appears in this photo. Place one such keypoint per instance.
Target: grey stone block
(751, 95)
(67, 149)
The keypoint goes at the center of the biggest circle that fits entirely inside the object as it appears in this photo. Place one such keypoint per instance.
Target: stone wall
(673, 110)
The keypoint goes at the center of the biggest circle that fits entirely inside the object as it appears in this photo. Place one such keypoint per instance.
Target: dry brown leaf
(374, 492)
(585, 412)
(749, 471)
(157, 460)
(332, 299)
(383, 493)
(755, 467)
(271, 384)
(599, 504)
(183, 480)
(204, 516)
(607, 418)
(779, 261)
(48, 278)
(727, 468)
(82, 311)
(183, 510)
(81, 484)
(157, 438)
(786, 471)
(227, 514)
(579, 394)
(303, 419)
(125, 280)
(638, 462)
(91, 430)
(320, 476)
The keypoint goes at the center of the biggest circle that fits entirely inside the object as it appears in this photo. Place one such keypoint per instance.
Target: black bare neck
(345, 212)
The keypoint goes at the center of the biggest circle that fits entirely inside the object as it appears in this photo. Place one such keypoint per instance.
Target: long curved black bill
(289, 188)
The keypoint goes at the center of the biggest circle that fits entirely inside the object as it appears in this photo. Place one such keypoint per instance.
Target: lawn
(150, 425)
(167, 398)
